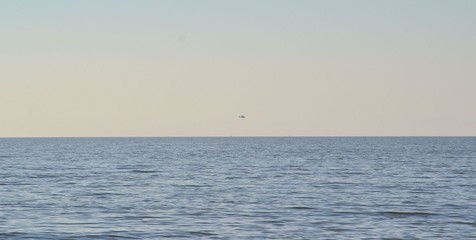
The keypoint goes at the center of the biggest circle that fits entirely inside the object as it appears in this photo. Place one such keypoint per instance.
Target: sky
(113, 68)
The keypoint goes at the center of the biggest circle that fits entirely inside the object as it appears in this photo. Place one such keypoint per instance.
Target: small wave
(465, 223)
(232, 177)
(11, 234)
(335, 229)
(406, 214)
(201, 233)
(17, 184)
(77, 223)
(105, 194)
(191, 186)
(143, 171)
(143, 217)
(319, 222)
(24, 235)
(43, 176)
(134, 166)
(301, 208)
(113, 235)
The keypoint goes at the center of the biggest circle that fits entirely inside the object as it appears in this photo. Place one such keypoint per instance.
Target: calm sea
(238, 188)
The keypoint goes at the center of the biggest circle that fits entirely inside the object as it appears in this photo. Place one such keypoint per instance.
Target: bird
(242, 116)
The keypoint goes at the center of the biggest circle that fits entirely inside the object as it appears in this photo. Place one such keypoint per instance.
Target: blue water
(238, 188)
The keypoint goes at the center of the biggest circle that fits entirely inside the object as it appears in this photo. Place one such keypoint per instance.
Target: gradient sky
(190, 68)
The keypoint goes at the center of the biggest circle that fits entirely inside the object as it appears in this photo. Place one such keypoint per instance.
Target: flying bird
(242, 116)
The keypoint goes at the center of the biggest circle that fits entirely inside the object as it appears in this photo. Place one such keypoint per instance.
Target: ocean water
(238, 188)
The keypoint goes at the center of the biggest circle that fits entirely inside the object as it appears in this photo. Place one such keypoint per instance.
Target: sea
(238, 188)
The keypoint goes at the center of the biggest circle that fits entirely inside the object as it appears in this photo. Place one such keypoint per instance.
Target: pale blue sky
(189, 68)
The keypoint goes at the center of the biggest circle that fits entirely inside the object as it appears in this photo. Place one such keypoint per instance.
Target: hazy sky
(190, 68)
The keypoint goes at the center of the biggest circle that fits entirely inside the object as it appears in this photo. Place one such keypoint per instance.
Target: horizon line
(245, 136)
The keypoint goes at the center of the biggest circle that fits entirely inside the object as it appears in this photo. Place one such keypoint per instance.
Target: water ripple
(238, 188)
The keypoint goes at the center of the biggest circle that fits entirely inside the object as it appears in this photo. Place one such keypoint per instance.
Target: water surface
(238, 188)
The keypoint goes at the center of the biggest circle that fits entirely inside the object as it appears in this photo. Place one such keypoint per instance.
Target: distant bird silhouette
(242, 116)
